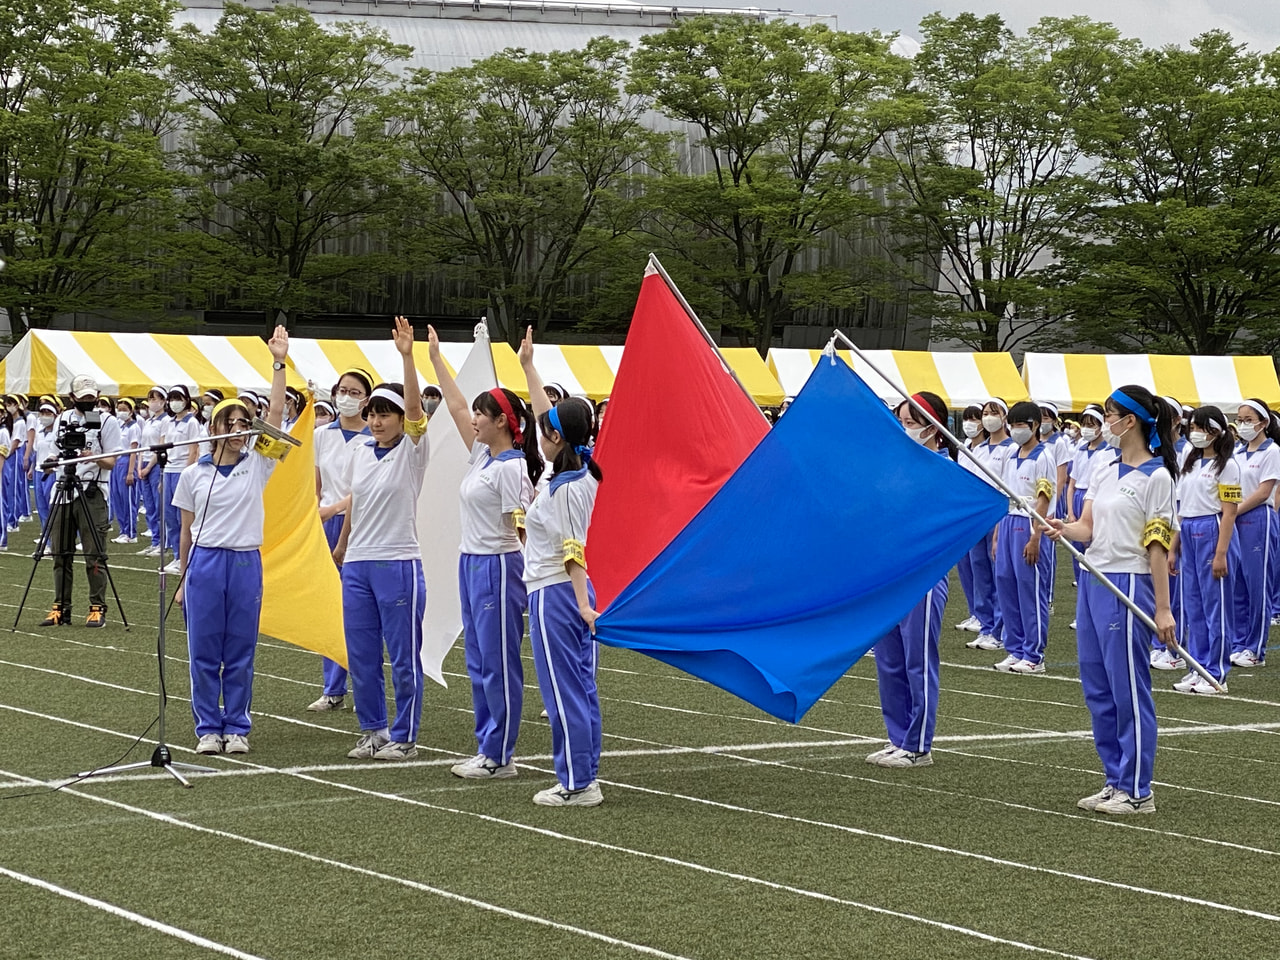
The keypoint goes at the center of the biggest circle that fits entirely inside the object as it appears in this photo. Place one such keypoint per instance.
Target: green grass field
(724, 833)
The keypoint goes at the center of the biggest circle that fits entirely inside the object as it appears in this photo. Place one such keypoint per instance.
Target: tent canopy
(960, 379)
(1073, 380)
(130, 364)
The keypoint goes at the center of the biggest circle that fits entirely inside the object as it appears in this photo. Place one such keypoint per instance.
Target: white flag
(439, 517)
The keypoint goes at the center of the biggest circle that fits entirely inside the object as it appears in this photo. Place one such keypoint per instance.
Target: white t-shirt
(384, 499)
(152, 430)
(45, 448)
(176, 430)
(130, 433)
(333, 445)
(996, 455)
(1132, 507)
(1201, 491)
(1031, 476)
(1258, 467)
(227, 504)
(561, 514)
(1084, 461)
(493, 489)
(105, 439)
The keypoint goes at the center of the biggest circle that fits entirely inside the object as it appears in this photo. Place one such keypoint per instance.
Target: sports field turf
(724, 833)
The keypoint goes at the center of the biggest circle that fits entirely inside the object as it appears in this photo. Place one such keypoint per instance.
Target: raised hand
(403, 336)
(279, 343)
(433, 341)
(526, 348)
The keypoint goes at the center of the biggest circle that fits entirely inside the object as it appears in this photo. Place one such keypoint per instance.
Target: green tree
(987, 170)
(535, 156)
(287, 135)
(85, 196)
(785, 117)
(1183, 255)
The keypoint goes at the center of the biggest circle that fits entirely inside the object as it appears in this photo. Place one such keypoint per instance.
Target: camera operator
(81, 432)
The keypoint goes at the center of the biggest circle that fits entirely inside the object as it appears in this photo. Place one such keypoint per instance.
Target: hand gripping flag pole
(1027, 504)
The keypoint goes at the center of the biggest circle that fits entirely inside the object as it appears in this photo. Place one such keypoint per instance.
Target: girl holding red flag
(561, 599)
(495, 493)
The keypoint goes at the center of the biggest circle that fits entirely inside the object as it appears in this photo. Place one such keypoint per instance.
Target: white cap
(84, 386)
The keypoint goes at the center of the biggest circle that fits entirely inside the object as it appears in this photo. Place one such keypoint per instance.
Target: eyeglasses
(354, 394)
(239, 423)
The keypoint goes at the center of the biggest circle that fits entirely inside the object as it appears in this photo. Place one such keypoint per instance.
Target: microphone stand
(162, 757)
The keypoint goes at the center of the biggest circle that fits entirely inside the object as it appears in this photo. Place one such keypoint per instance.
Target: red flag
(677, 427)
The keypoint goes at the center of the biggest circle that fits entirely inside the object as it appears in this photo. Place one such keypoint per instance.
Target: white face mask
(347, 406)
(1088, 434)
(155, 406)
(207, 409)
(46, 419)
(1199, 439)
(177, 406)
(992, 423)
(1247, 431)
(918, 434)
(972, 428)
(1021, 435)
(124, 413)
(1046, 429)
(1112, 439)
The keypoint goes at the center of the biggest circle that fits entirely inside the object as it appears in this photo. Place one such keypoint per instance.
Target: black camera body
(72, 438)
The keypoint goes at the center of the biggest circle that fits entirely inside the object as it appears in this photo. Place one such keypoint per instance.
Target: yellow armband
(4, 452)
(1044, 488)
(415, 428)
(1229, 493)
(575, 552)
(272, 448)
(1158, 531)
(517, 519)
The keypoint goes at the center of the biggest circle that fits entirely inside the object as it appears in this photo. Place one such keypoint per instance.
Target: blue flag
(834, 527)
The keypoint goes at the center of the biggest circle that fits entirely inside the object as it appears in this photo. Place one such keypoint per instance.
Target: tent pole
(1029, 507)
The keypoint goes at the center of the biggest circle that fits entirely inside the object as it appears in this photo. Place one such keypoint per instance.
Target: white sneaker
(1186, 683)
(1247, 658)
(123, 539)
(1091, 802)
(209, 743)
(544, 715)
(971, 624)
(235, 743)
(882, 752)
(1071, 625)
(1204, 688)
(1006, 665)
(905, 758)
(1026, 666)
(327, 703)
(151, 551)
(1275, 621)
(986, 641)
(394, 750)
(370, 742)
(1168, 660)
(173, 567)
(1121, 804)
(558, 796)
(482, 768)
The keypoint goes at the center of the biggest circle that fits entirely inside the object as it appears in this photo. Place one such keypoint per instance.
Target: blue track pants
(907, 673)
(222, 602)
(493, 603)
(564, 657)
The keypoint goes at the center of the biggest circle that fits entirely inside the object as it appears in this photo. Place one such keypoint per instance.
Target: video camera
(73, 438)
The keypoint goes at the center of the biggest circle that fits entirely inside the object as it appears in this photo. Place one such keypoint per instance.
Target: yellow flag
(301, 591)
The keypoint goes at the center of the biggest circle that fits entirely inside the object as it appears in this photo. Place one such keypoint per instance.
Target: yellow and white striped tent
(585, 371)
(130, 364)
(960, 379)
(1073, 380)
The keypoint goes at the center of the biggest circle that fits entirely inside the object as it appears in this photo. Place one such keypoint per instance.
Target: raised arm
(537, 392)
(459, 409)
(279, 347)
(403, 336)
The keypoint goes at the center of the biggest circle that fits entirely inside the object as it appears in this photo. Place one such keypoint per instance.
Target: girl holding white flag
(384, 594)
(495, 493)
(561, 599)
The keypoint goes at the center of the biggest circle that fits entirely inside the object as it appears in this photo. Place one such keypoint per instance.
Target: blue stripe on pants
(172, 516)
(1206, 601)
(986, 602)
(124, 498)
(383, 602)
(151, 501)
(907, 673)
(493, 601)
(335, 674)
(1251, 599)
(1023, 590)
(45, 483)
(964, 570)
(564, 657)
(222, 601)
(1112, 644)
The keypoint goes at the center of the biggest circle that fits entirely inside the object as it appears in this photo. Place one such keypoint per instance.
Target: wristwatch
(278, 365)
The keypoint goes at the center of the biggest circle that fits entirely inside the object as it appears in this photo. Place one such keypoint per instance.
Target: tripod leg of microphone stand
(161, 758)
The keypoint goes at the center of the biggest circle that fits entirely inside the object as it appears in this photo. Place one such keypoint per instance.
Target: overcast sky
(1154, 22)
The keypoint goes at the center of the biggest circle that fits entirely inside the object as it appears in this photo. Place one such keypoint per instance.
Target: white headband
(1217, 425)
(387, 394)
(1053, 407)
(1257, 408)
(999, 403)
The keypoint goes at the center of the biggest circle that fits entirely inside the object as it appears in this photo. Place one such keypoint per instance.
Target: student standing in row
(181, 425)
(1128, 518)
(995, 451)
(1091, 449)
(384, 594)
(971, 421)
(124, 475)
(152, 430)
(1258, 531)
(45, 448)
(907, 657)
(561, 599)
(1206, 552)
(1023, 567)
(495, 494)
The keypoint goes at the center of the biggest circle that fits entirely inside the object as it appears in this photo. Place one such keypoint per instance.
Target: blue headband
(1122, 399)
(583, 450)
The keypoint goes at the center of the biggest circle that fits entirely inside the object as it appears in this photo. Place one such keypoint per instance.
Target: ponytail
(575, 422)
(1159, 433)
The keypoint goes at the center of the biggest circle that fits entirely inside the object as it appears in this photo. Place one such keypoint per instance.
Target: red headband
(924, 404)
(505, 406)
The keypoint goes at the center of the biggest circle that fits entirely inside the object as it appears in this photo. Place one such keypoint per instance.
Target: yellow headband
(226, 404)
(126, 400)
(358, 372)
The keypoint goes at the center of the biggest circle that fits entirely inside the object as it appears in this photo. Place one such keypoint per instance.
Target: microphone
(273, 442)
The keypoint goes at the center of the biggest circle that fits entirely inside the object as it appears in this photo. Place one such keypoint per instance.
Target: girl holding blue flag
(1128, 516)
(561, 599)
(1258, 530)
(995, 452)
(495, 494)
(907, 656)
(1023, 568)
(1206, 552)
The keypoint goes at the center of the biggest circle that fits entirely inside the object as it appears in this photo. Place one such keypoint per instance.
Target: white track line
(363, 871)
(129, 915)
